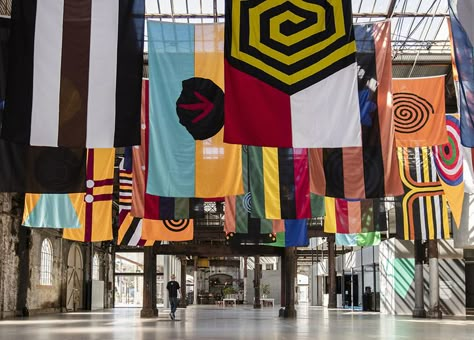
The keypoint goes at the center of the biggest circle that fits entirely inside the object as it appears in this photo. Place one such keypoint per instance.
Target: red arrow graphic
(205, 105)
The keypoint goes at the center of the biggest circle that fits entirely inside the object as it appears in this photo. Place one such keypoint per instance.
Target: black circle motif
(200, 107)
(176, 226)
(411, 112)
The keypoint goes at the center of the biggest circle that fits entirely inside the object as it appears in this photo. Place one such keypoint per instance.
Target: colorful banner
(80, 68)
(168, 230)
(358, 240)
(295, 234)
(421, 213)
(419, 111)
(461, 13)
(449, 165)
(370, 171)
(288, 84)
(187, 154)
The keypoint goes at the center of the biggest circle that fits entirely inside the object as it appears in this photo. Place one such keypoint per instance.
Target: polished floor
(242, 322)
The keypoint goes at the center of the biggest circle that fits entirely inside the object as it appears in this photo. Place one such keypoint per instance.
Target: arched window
(46, 267)
(95, 267)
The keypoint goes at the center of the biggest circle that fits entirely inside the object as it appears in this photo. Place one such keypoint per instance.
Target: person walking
(173, 287)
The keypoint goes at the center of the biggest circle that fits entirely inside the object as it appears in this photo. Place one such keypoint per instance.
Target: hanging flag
(53, 210)
(359, 239)
(240, 227)
(449, 166)
(149, 206)
(290, 74)
(168, 230)
(370, 171)
(462, 38)
(419, 111)
(421, 213)
(468, 169)
(354, 217)
(295, 234)
(187, 154)
(75, 73)
(96, 221)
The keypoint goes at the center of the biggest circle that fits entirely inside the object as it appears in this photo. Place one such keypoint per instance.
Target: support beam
(182, 300)
(434, 310)
(245, 279)
(216, 250)
(23, 253)
(195, 288)
(256, 283)
(149, 309)
(332, 302)
(419, 311)
(290, 282)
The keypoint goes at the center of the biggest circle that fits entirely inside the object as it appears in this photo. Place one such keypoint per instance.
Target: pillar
(182, 300)
(290, 280)
(256, 283)
(195, 288)
(332, 301)
(419, 311)
(149, 309)
(434, 310)
(245, 279)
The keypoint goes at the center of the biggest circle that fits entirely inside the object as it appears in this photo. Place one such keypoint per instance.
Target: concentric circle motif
(410, 112)
(247, 202)
(176, 226)
(289, 44)
(448, 157)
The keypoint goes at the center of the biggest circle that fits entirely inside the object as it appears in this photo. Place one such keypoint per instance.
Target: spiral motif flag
(290, 51)
(168, 230)
(419, 111)
(449, 165)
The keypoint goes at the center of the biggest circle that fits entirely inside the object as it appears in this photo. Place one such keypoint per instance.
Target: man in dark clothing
(173, 287)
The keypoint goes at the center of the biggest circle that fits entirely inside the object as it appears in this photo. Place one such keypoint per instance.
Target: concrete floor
(206, 322)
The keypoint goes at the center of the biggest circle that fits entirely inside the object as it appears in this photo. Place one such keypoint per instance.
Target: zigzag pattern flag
(462, 39)
(96, 221)
(291, 74)
(187, 153)
(421, 213)
(277, 73)
(370, 171)
(80, 63)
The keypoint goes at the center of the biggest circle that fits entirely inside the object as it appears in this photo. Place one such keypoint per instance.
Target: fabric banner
(370, 171)
(291, 79)
(149, 206)
(468, 169)
(294, 235)
(358, 240)
(354, 217)
(75, 73)
(449, 166)
(53, 210)
(462, 29)
(168, 230)
(187, 154)
(419, 111)
(240, 227)
(421, 213)
(96, 221)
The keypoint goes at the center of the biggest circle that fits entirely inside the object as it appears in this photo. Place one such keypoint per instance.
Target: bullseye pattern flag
(370, 171)
(168, 230)
(449, 166)
(96, 221)
(421, 213)
(290, 74)
(187, 154)
(462, 26)
(419, 111)
(354, 217)
(75, 73)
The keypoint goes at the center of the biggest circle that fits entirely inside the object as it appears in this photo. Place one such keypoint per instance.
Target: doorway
(75, 278)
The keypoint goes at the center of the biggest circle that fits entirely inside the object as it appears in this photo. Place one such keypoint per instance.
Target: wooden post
(256, 283)
(434, 310)
(332, 301)
(419, 311)
(149, 309)
(182, 300)
(290, 280)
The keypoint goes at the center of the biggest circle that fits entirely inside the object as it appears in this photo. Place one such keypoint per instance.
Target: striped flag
(187, 154)
(96, 221)
(291, 79)
(370, 171)
(421, 213)
(462, 28)
(75, 73)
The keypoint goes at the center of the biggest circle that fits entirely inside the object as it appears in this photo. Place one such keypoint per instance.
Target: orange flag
(419, 111)
(167, 230)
